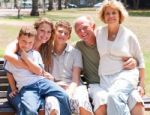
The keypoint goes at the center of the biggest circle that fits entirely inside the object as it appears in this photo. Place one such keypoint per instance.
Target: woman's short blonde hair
(115, 5)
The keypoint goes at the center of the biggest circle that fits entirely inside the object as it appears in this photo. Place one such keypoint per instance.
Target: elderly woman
(115, 41)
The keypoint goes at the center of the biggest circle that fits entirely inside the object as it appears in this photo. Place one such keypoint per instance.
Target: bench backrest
(3, 79)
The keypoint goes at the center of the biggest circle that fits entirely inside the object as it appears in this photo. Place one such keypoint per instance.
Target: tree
(50, 5)
(66, 2)
(136, 4)
(59, 5)
(15, 3)
(34, 11)
(125, 3)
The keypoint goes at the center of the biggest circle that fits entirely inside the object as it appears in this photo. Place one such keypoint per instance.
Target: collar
(67, 49)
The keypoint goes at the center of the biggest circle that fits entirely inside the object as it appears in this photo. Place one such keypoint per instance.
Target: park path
(15, 23)
(13, 12)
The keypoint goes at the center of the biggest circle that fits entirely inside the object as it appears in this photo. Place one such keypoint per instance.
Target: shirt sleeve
(77, 59)
(7, 67)
(38, 59)
(136, 51)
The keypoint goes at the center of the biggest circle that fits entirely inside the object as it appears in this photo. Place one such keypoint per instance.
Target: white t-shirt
(24, 77)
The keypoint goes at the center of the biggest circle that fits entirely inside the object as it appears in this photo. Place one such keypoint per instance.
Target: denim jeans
(32, 95)
(15, 102)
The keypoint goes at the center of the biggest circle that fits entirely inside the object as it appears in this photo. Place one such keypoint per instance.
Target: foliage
(139, 13)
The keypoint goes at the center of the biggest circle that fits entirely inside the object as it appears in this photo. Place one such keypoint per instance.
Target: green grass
(145, 13)
(1, 53)
(147, 70)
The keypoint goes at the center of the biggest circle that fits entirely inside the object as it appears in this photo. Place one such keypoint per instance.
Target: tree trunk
(16, 4)
(66, 1)
(136, 4)
(125, 3)
(44, 6)
(34, 11)
(50, 5)
(59, 5)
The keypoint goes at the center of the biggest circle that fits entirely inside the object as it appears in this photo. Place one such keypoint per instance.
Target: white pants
(80, 98)
(51, 103)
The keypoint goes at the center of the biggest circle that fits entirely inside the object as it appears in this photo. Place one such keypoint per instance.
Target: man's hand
(129, 63)
(13, 93)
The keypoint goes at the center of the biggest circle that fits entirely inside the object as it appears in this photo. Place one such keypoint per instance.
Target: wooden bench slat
(3, 79)
(146, 99)
(3, 94)
(2, 73)
(147, 107)
(1, 66)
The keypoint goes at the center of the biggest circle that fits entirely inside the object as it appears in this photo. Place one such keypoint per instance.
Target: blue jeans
(32, 95)
(15, 102)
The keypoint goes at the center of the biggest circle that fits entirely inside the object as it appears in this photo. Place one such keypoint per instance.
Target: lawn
(140, 25)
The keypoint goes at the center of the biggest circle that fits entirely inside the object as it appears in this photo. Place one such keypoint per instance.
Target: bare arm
(75, 80)
(12, 84)
(32, 66)
(10, 55)
(141, 81)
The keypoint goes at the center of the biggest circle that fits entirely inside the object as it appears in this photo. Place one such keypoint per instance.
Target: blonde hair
(115, 5)
(46, 48)
(29, 31)
(64, 24)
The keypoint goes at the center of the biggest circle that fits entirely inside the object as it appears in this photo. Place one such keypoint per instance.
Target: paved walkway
(13, 12)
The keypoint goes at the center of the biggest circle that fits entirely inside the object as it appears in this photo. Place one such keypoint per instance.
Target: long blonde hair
(46, 48)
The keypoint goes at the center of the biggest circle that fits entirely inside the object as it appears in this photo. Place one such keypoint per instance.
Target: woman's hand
(141, 90)
(48, 76)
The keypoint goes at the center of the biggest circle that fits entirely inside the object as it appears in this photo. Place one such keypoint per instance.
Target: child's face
(62, 34)
(26, 42)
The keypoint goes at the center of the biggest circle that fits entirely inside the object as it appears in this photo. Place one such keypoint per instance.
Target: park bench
(6, 109)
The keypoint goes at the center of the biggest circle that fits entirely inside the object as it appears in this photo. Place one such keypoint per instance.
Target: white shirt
(24, 77)
(64, 63)
(126, 44)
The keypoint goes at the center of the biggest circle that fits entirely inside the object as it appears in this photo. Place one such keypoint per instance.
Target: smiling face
(111, 16)
(26, 42)
(85, 30)
(62, 34)
(44, 32)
